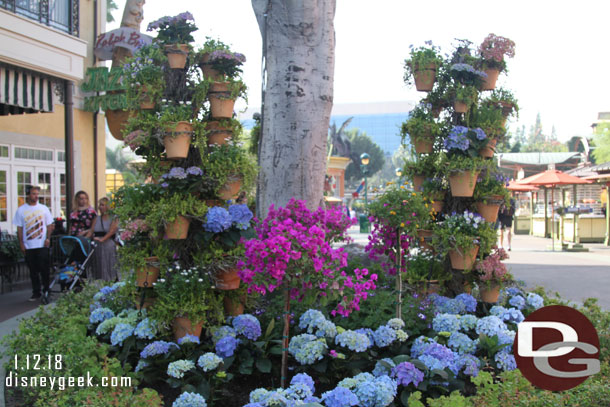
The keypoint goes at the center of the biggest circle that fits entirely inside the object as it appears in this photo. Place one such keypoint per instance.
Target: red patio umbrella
(551, 179)
(515, 186)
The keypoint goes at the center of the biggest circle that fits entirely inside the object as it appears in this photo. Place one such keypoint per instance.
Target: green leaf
(263, 365)
(404, 397)
(402, 358)
(204, 389)
(269, 330)
(276, 350)
(440, 373)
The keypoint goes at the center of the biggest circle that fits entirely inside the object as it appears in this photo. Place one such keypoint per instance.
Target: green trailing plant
(492, 183)
(168, 207)
(230, 161)
(420, 125)
(488, 116)
(420, 58)
(430, 165)
(423, 266)
(462, 232)
(466, 94)
(171, 114)
(143, 75)
(504, 99)
(462, 163)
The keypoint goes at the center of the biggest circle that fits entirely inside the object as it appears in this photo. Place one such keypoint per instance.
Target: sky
(560, 70)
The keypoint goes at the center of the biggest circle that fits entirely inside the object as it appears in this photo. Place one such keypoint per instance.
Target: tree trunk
(299, 47)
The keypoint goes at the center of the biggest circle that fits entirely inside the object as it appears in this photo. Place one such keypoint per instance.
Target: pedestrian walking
(34, 227)
(104, 231)
(81, 218)
(505, 218)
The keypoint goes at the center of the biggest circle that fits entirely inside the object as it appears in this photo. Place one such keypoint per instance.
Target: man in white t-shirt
(34, 227)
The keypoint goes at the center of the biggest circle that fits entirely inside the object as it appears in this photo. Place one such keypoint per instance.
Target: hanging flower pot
(146, 101)
(209, 73)
(217, 134)
(117, 119)
(418, 181)
(178, 229)
(210, 203)
(423, 144)
(221, 104)
(460, 107)
(424, 237)
(438, 201)
(462, 183)
(489, 150)
(146, 276)
(489, 83)
(178, 140)
(183, 326)
(489, 208)
(489, 294)
(424, 77)
(230, 190)
(176, 55)
(232, 307)
(463, 259)
(227, 279)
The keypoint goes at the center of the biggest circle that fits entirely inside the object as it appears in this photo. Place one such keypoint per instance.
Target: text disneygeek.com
(61, 382)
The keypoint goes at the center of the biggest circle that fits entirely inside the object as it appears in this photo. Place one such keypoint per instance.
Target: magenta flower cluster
(293, 250)
(382, 241)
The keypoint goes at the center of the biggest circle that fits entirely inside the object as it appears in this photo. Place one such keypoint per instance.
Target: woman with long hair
(104, 230)
(81, 218)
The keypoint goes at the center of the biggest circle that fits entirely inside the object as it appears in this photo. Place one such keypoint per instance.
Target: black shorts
(506, 222)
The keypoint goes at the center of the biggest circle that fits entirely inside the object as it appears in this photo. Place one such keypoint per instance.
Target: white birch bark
(299, 40)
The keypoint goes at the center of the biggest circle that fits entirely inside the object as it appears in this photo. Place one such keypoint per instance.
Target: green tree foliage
(116, 159)
(537, 141)
(110, 6)
(361, 143)
(601, 141)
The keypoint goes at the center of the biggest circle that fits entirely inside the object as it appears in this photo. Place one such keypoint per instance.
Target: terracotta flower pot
(462, 183)
(117, 119)
(233, 308)
(176, 55)
(178, 229)
(438, 206)
(149, 274)
(460, 107)
(489, 83)
(489, 150)
(207, 70)
(467, 287)
(461, 260)
(221, 108)
(183, 326)
(489, 210)
(418, 181)
(424, 77)
(178, 141)
(438, 201)
(423, 236)
(217, 134)
(423, 144)
(230, 190)
(490, 293)
(227, 279)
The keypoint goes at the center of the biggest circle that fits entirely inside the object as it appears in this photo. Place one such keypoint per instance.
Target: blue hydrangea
(490, 325)
(254, 405)
(457, 139)
(406, 373)
(187, 399)
(513, 315)
(226, 346)
(141, 365)
(209, 361)
(380, 391)
(480, 134)
(512, 291)
(240, 216)
(354, 341)
(383, 367)
(100, 315)
(437, 356)
(178, 368)
(327, 330)
(248, 326)
(258, 395)
(506, 337)
(146, 329)
(446, 323)
(368, 332)
(401, 335)
(298, 391)
(497, 310)
(275, 398)
(107, 325)
(157, 348)
(535, 301)
(469, 364)
(468, 322)
(461, 343)
(120, 333)
(177, 173)
(218, 220)
(310, 320)
(340, 397)
(353, 382)
(384, 336)
(505, 360)
(194, 171)
(470, 303)
(188, 338)
(396, 323)
(420, 344)
(221, 332)
(311, 351)
(517, 301)
(103, 294)
(304, 378)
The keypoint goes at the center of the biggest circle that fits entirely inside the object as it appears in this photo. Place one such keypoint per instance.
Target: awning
(23, 91)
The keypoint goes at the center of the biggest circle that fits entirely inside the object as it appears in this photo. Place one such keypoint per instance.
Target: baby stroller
(77, 251)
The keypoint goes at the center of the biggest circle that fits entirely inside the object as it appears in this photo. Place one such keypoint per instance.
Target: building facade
(45, 49)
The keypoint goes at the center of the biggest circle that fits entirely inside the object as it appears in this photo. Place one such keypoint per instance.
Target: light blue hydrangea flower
(506, 337)
(401, 335)
(469, 364)
(120, 333)
(327, 330)
(420, 344)
(470, 303)
(100, 315)
(446, 323)
(258, 395)
(221, 332)
(396, 323)
(383, 367)
(384, 336)
(188, 338)
(513, 315)
(304, 378)
(380, 391)
(354, 341)
(505, 360)
(353, 382)
(226, 346)
(248, 326)
(340, 397)
(209, 361)
(298, 391)
(311, 351)
(146, 329)
(240, 216)
(490, 325)
(187, 399)
(517, 301)
(157, 348)
(141, 365)
(468, 322)
(178, 368)
(368, 332)
(218, 220)
(497, 310)
(310, 320)
(461, 343)
(535, 301)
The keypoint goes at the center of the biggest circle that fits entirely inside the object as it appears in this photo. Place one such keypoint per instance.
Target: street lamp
(364, 159)
(398, 173)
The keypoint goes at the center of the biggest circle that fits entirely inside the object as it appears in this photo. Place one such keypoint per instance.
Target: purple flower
(480, 134)
(226, 346)
(194, 171)
(240, 216)
(248, 326)
(165, 185)
(406, 373)
(305, 379)
(177, 172)
(218, 220)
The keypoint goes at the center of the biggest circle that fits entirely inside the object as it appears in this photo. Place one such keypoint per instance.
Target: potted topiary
(492, 51)
(143, 77)
(490, 193)
(463, 162)
(422, 65)
(174, 33)
(178, 130)
(186, 301)
(492, 273)
(421, 129)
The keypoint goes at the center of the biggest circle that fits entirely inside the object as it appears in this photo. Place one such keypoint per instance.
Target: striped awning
(23, 91)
